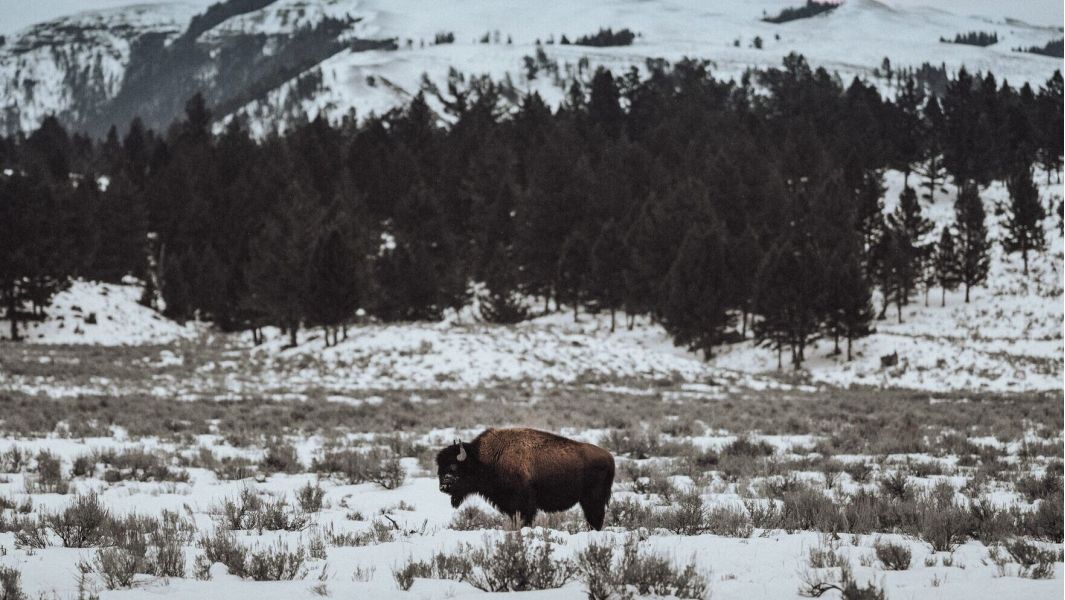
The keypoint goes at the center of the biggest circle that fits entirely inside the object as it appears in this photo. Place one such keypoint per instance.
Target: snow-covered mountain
(273, 60)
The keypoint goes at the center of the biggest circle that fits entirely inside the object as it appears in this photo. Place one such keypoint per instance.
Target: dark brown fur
(522, 471)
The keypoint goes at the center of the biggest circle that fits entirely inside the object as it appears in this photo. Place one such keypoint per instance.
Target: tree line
(720, 209)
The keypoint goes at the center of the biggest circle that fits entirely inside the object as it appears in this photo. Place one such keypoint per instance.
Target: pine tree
(973, 245)
(421, 274)
(947, 266)
(932, 152)
(608, 270)
(744, 256)
(848, 297)
(573, 265)
(908, 222)
(1049, 109)
(277, 274)
(339, 278)
(896, 269)
(696, 305)
(1024, 222)
(501, 302)
(604, 107)
(123, 227)
(788, 299)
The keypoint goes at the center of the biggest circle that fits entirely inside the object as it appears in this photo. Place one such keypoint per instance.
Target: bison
(522, 471)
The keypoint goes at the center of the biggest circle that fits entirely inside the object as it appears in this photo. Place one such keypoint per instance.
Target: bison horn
(462, 452)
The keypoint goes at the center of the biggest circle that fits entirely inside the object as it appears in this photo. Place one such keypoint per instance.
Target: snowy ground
(413, 521)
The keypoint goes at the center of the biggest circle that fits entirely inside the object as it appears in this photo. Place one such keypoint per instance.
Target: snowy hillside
(1008, 338)
(84, 61)
(99, 314)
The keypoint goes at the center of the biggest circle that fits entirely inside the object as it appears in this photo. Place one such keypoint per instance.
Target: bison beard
(522, 471)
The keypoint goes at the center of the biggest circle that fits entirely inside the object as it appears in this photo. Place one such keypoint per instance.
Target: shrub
(1046, 521)
(895, 557)
(989, 524)
(815, 584)
(440, 566)
(136, 464)
(117, 566)
(649, 480)
(310, 498)
(221, 547)
(49, 475)
(645, 574)
(251, 511)
(281, 458)
(14, 459)
(692, 517)
(1039, 488)
(860, 472)
(745, 446)
(810, 9)
(896, 485)
(515, 563)
(84, 523)
(810, 509)
(634, 443)
(471, 518)
(826, 557)
(1035, 562)
(382, 468)
(275, 563)
(518, 563)
(83, 466)
(943, 524)
(629, 513)
(11, 584)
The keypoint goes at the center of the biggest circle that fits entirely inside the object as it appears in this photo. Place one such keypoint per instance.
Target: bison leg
(525, 503)
(594, 512)
(595, 498)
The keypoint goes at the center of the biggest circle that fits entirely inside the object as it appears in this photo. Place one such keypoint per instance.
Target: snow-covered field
(363, 533)
(308, 472)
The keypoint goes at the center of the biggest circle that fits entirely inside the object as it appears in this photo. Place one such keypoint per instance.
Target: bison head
(456, 466)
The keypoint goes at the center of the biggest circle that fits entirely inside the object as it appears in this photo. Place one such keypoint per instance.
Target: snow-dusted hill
(1007, 339)
(98, 66)
(99, 314)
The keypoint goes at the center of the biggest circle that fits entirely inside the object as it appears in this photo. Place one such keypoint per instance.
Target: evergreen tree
(788, 299)
(1049, 115)
(604, 106)
(280, 258)
(339, 279)
(1024, 222)
(947, 264)
(573, 266)
(608, 270)
(123, 229)
(908, 222)
(932, 149)
(744, 256)
(419, 273)
(696, 307)
(973, 246)
(848, 298)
